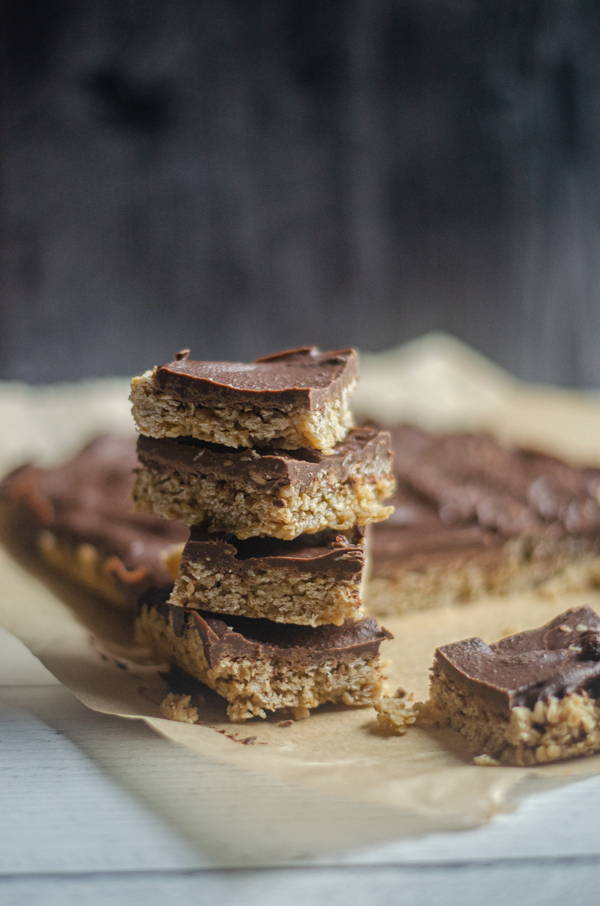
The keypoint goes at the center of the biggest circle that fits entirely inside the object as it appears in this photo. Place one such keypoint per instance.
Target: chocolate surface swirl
(226, 636)
(87, 500)
(467, 491)
(303, 378)
(558, 659)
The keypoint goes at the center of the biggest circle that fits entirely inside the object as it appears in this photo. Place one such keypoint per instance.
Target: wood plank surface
(538, 884)
(77, 824)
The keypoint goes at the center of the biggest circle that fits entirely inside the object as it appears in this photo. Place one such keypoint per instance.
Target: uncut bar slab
(313, 580)
(260, 666)
(528, 699)
(291, 400)
(78, 517)
(473, 517)
(280, 494)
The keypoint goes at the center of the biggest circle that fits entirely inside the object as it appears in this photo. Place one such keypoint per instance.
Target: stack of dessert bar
(261, 461)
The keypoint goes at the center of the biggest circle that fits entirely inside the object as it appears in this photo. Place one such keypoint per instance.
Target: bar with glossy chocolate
(312, 580)
(528, 699)
(78, 516)
(473, 516)
(259, 665)
(294, 399)
(277, 493)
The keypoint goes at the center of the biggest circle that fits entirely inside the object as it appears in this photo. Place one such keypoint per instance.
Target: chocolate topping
(558, 659)
(323, 552)
(264, 469)
(226, 636)
(470, 492)
(87, 500)
(300, 378)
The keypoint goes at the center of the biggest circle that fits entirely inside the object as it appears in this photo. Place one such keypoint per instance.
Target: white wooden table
(77, 826)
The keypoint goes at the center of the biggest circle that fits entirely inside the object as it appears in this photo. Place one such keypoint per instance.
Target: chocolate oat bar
(529, 699)
(473, 516)
(278, 493)
(291, 400)
(259, 665)
(78, 517)
(312, 580)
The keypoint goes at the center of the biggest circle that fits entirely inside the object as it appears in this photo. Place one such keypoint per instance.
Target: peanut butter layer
(79, 516)
(530, 698)
(473, 516)
(290, 400)
(264, 491)
(312, 580)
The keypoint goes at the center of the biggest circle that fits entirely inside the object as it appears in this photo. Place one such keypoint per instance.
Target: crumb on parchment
(396, 714)
(178, 707)
(485, 761)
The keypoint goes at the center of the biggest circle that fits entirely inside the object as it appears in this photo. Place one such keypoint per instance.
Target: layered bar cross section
(473, 516)
(78, 516)
(266, 492)
(312, 580)
(259, 665)
(528, 699)
(290, 400)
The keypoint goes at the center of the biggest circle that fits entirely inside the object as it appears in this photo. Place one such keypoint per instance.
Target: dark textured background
(244, 175)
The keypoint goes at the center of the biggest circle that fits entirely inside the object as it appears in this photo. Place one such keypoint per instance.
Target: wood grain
(239, 177)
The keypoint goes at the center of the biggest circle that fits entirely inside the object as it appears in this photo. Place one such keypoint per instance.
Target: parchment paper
(426, 775)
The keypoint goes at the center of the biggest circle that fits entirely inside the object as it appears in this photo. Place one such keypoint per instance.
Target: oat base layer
(252, 687)
(105, 576)
(273, 594)
(565, 566)
(224, 507)
(84, 565)
(553, 730)
(159, 414)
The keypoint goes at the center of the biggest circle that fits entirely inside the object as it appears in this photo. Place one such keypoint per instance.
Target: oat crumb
(285, 723)
(429, 715)
(402, 693)
(178, 707)
(395, 715)
(485, 761)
